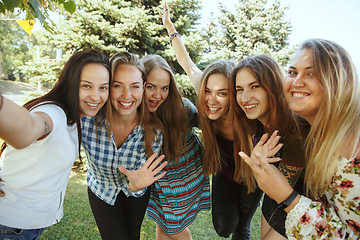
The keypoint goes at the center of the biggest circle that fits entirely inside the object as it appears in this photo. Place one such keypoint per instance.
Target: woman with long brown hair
(178, 197)
(233, 203)
(43, 140)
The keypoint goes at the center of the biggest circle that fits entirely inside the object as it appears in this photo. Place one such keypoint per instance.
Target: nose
(95, 96)
(126, 93)
(212, 98)
(246, 96)
(156, 94)
(298, 81)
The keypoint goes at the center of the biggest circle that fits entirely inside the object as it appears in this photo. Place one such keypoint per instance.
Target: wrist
(169, 28)
(288, 201)
(132, 188)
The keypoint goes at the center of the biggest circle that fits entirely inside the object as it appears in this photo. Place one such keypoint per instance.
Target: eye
(255, 86)
(150, 87)
(135, 86)
(222, 94)
(104, 88)
(311, 74)
(116, 85)
(239, 90)
(85, 86)
(207, 91)
(165, 88)
(291, 72)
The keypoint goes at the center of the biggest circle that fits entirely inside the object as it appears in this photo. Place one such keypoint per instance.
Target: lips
(126, 105)
(250, 107)
(153, 104)
(92, 105)
(214, 109)
(299, 94)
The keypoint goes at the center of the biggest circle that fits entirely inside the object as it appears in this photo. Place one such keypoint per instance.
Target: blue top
(103, 176)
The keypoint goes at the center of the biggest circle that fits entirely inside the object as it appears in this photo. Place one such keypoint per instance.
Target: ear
(144, 86)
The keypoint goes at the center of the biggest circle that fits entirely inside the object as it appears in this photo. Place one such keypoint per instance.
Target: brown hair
(211, 158)
(171, 112)
(65, 93)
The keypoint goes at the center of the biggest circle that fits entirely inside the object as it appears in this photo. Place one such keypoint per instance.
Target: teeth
(92, 104)
(298, 95)
(213, 109)
(125, 104)
(250, 106)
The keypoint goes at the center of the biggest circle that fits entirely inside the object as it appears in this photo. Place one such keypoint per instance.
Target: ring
(166, 9)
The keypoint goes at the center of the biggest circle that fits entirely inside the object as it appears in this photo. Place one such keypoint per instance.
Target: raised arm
(182, 56)
(19, 127)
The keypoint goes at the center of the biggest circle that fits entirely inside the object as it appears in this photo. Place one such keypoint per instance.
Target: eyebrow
(87, 81)
(223, 89)
(305, 68)
(252, 83)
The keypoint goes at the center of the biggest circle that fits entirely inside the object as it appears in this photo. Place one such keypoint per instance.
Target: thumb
(123, 170)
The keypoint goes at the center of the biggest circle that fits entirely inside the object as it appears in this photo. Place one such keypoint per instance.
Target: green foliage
(14, 49)
(43, 71)
(255, 27)
(38, 8)
(186, 88)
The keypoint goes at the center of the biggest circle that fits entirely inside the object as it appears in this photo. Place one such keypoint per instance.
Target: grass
(79, 223)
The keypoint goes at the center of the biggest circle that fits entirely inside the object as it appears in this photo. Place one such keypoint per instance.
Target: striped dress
(177, 198)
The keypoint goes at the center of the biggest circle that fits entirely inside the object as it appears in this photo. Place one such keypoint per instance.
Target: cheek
(165, 95)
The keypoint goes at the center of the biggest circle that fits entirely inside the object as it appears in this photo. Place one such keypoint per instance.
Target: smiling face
(126, 90)
(250, 96)
(157, 88)
(216, 96)
(94, 88)
(302, 89)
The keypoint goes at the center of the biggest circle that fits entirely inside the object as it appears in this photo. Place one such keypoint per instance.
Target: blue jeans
(19, 234)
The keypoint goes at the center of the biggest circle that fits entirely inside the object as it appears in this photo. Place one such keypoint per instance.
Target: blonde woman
(322, 85)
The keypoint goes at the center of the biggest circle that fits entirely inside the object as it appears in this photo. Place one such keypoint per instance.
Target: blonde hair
(336, 125)
(150, 123)
(171, 112)
(211, 158)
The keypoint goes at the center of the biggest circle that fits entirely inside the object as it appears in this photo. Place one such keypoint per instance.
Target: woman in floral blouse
(322, 85)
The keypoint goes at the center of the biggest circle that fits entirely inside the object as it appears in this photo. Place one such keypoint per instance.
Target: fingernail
(2, 194)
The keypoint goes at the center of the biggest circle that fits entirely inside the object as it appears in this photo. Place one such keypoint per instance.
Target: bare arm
(182, 56)
(19, 127)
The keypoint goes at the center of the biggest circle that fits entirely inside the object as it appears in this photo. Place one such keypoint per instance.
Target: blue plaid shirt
(103, 176)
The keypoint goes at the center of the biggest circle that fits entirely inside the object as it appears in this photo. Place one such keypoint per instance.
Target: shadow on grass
(79, 223)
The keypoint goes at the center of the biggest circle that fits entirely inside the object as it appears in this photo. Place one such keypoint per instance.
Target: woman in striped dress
(176, 198)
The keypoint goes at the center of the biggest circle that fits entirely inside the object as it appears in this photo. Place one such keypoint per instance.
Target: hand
(146, 175)
(268, 148)
(268, 177)
(166, 18)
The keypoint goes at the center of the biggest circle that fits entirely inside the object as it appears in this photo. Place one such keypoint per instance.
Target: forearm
(17, 126)
(183, 58)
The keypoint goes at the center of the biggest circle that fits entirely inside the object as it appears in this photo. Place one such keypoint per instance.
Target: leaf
(70, 6)
(61, 1)
(34, 8)
(11, 4)
(2, 8)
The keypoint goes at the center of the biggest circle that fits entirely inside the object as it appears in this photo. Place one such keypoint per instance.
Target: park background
(230, 30)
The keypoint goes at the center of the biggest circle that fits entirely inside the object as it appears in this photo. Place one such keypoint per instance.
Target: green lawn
(78, 222)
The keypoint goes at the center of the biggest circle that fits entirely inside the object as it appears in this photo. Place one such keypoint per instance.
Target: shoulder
(55, 113)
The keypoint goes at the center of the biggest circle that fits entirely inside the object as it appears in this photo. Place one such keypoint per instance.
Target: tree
(38, 8)
(254, 27)
(14, 48)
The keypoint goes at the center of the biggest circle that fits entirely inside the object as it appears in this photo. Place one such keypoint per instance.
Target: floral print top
(337, 214)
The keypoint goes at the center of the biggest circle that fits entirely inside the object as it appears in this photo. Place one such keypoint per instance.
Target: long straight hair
(171, 112)
(149, 121)
(270, 77)
(212, 158)
(65, 92)
(336, 125)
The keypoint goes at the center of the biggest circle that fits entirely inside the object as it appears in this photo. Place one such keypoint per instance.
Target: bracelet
(288, 201)
(171, 31)
(2, 100)
(172, 37)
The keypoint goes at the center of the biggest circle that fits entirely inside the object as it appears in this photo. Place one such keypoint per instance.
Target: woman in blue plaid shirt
(117, 149)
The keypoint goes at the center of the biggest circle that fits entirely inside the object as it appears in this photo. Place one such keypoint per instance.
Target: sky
(335, 20)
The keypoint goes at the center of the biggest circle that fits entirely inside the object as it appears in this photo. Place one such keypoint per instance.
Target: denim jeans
(19, 234)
